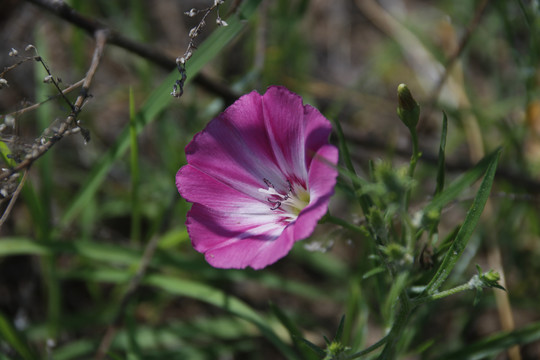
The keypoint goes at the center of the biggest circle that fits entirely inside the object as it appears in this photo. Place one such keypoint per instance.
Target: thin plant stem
(155, 55)
(13, 199)
(44, 197)
(344, 224)
(70, 123)
(397, 328)
(442, 294)
(345, 155)
(414, 160)
(135, 174)
(36, 105)
(369, 349)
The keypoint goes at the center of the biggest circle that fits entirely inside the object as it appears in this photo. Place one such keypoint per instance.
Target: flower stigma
(289, 204)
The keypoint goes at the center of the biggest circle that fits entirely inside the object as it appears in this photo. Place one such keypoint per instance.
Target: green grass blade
(45, 166)
(220, 299)
(495, 344)
(457, 187)
(22, 246)
(107, 253)
(198, 291)
(13, 338)
(466, 230)
(156, 103)
(441, 162)
(77, 349)
(363, 199)
(4, 152)
(91, 250)
(294, 332)
(134, 162)
(339, 332)
(317, 351)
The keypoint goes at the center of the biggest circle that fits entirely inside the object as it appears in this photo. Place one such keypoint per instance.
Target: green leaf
(199, 291)
(466, 230)
(442, 156)
(462, 183)
(121, 255)
(285, 321)
(22, 246)
(363, 199)
(4, 152)
(220, 299)
(77, 349)
(339, 332)
(13, 338)
(374, 271)
(294, 332)
(314, 348)
(495, 344)
(135, 174)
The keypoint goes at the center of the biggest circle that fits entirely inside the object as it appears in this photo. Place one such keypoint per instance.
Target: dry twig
(70, 124)
(91, 26)
(13, 199)
(178, 87)
(36, 105)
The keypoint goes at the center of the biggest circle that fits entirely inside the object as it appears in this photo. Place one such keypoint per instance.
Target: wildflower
(260, 176)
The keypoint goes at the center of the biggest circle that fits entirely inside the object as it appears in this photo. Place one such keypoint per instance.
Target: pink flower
(260, 176)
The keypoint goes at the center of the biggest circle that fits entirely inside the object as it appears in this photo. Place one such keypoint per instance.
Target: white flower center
(288, 204)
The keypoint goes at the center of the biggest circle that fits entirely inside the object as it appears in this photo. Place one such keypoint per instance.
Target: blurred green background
(76, 235)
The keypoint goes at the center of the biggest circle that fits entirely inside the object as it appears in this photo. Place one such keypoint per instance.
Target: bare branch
(90, 25)
(36, 105)
(17, 64)
(178, 87)
(13, 199)
(70, 122)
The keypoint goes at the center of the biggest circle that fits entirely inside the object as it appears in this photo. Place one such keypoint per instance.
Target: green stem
(466, 230)
(442, 294)
(416, 153)
(397, 328)
(343, 223)
(369, 349)
(135, 174)
(44, 199)
(414, 160)
(344, 151)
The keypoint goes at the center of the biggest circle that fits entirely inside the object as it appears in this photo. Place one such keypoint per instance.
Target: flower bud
(408, 109)
(192, 12)
(221, 22)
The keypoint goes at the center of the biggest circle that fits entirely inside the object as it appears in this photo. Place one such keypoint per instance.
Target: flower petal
(284, 121)
(322, 179)
(230, 240)
(317, 130)
(198, 187)
(234, 147)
